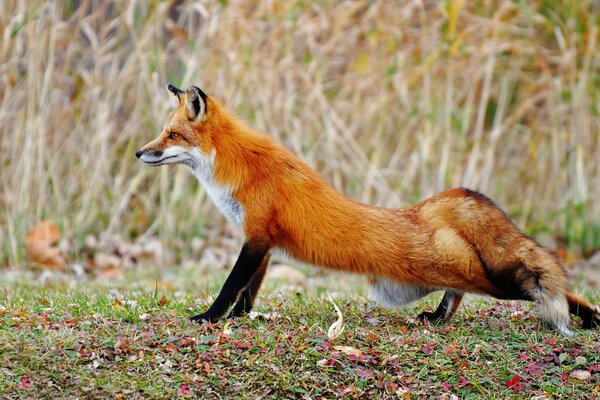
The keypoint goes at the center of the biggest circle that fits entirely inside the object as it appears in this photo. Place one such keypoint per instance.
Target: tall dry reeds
(390, 101)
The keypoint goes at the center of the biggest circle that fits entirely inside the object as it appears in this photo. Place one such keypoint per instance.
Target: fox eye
(173, 135)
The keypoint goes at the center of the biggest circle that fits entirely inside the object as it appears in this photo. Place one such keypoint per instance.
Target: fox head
(185, 138)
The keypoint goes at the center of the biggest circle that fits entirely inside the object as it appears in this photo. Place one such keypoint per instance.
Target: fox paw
(591, 323)
(204, 317)
(591, 318)
(429, 317)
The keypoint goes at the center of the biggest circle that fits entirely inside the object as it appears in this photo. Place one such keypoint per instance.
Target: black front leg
(247, 264)
(246, 300)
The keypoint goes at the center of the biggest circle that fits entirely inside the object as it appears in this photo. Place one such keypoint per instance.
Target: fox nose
(138, 153)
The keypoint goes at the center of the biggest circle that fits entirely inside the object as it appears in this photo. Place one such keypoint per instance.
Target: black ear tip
(173, 89)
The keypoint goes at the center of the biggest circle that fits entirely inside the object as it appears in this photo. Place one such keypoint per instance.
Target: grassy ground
(391, 104)
(132, 339)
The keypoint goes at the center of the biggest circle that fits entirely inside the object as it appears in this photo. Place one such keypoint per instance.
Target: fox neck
(203, 168)
(235, 158)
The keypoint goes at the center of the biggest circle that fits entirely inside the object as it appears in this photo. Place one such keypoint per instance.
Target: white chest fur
(203, 168)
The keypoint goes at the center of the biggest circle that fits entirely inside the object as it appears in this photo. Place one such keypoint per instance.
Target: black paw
(429, 317)
(591, 323)
(204, 317)
(235, 314)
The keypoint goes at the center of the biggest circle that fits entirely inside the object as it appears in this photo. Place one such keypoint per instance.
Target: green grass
(133, 339)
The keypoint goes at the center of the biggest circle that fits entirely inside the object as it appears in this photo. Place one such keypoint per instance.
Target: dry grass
(391, 103)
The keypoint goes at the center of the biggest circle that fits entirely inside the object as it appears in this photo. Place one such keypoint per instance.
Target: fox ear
(195, 103)
(176, 92)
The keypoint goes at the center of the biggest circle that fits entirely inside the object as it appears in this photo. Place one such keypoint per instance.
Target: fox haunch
(458, 240)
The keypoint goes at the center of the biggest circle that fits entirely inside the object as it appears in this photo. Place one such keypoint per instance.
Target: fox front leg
(246, 300)
(247, 265)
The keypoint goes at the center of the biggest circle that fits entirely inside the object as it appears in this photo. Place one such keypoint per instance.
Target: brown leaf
(171, 348)
(106, 261)
(206, 368)
(107, 265)
(163, 300)
(348, 350)
(40, 245)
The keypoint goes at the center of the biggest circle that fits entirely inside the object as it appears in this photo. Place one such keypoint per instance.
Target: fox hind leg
(589, 314)
(446, 309)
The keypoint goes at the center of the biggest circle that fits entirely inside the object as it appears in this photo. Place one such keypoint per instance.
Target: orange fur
(457, 239)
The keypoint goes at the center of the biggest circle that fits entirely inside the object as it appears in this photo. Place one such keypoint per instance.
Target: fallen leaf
(348, 350)
(365, 373)
(106, 261)
(402, 393)
(40, 245)
(24, 383)
(349, 389)
(580, 360)
(513, 383)
(325, 363)
(389, 359)
(184, 389)
(107, 265)
(581, 375)
(171, 348)
(163, 300)
(336, 329)
(428, 347)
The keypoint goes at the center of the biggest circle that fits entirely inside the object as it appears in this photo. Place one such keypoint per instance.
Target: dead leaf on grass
(107, 265)
(163, 300)
(336, 329)
(582, 375)
(348, 350)
(40, 245)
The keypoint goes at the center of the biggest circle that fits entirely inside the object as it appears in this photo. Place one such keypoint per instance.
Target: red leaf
(25, 383)
(171, 348)
(428, 347)
(365, 373)
(534, 368)
(524, 356)
(513, 383)
(183, 389)
(462, 382)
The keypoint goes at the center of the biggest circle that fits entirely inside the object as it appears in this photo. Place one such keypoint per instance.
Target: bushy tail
(550, 290)
(589, 314)
(545, 280)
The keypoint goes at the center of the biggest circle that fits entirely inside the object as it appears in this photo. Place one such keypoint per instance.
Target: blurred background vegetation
(392, 101)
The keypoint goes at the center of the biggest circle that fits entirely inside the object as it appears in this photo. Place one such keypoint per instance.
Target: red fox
(458, 240)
